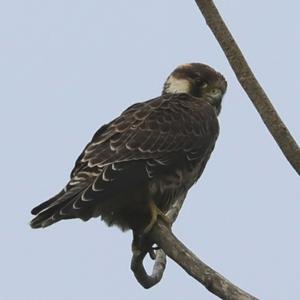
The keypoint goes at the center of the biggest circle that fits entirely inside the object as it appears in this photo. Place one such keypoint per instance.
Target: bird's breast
(166, 188)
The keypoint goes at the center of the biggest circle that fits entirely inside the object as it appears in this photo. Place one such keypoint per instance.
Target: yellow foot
(155, 213)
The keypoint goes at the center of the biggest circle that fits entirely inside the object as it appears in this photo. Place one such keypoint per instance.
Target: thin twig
(250, 84)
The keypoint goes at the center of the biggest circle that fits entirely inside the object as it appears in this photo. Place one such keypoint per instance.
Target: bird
(135, 167)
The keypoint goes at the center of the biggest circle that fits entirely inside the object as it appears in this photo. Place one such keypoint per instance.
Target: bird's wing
(148, 138)
(153, 130)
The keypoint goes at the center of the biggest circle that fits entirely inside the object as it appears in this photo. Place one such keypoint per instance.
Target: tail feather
(49, 212)
(47, 217)
(45, 204)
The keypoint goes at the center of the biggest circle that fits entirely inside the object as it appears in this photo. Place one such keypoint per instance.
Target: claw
(152, 253)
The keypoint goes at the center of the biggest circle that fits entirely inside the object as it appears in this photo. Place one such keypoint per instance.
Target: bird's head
(197, 80)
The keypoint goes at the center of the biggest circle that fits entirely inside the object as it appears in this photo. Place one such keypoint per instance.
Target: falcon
(136, 166)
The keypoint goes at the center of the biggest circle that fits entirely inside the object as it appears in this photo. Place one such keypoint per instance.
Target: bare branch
(250, 84)
(213, 281)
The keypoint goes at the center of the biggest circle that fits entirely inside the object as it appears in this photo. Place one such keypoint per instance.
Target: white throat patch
(174, 85)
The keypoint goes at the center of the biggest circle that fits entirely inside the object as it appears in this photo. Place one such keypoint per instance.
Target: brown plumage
(147, 157)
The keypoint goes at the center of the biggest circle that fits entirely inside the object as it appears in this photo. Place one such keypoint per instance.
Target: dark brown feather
(155, 149)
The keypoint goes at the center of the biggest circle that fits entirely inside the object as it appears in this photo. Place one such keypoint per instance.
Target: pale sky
(67, 67)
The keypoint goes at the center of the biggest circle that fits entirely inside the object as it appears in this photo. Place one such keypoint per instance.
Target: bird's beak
(215, 94)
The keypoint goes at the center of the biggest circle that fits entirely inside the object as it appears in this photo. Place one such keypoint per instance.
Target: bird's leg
(155, 212)
(141, 242)
(136, 243)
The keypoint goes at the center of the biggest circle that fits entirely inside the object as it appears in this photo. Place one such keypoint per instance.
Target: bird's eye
(215, 91)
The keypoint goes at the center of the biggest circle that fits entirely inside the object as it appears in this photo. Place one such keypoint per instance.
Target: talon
(155, 213)
(152, 253)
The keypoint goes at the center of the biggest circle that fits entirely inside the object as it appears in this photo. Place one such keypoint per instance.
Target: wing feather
(152, 129)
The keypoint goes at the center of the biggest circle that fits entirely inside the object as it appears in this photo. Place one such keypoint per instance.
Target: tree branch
(250, 84)
(213, 281)
(161, 235)
(169, 245)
